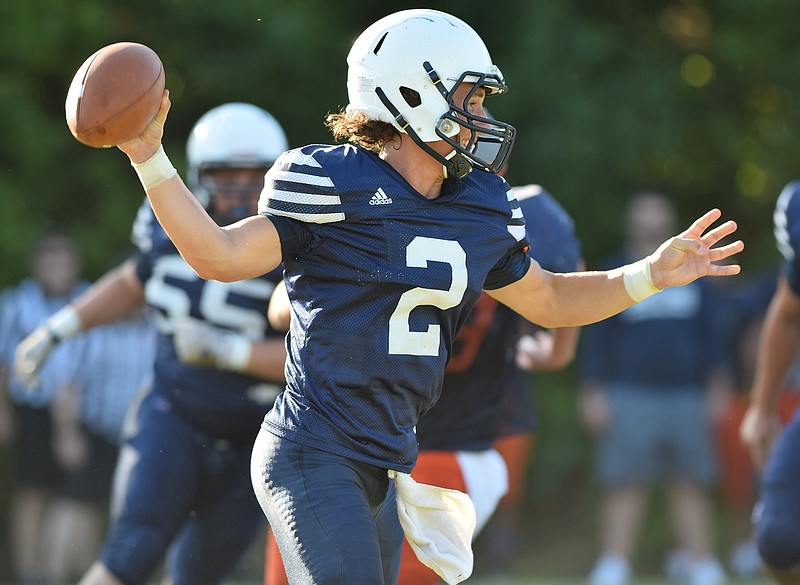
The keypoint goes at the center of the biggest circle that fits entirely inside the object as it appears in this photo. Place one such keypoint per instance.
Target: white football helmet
(403, 70)
(234, 135)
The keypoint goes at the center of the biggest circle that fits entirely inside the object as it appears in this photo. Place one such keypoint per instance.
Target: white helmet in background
(234, 135)
(403, 70)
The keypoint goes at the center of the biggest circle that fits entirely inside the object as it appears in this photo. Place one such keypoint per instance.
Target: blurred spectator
(654, 378)
(116, 362)
(25, 416)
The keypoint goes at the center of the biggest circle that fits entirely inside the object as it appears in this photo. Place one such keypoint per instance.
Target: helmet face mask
(490, 141)
(233, 136)
(234, 192)
(428, 55)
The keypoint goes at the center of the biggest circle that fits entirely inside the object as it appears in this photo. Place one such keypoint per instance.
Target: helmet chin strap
(455, 164)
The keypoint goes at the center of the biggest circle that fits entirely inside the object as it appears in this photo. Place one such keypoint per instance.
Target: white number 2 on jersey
(403, 341)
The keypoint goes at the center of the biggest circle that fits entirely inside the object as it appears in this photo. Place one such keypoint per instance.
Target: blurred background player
(748, 302)
(485, 396)
(25, 412)
(183, 476)
(651, 377)
(773, 449)
(555, 246)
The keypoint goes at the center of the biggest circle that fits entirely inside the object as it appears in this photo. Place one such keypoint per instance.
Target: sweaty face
(234, 193)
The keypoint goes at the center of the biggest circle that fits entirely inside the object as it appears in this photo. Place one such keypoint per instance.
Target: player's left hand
(692, 255)
(534, 351)
(31, 354)
(196, 343)
(200, 344)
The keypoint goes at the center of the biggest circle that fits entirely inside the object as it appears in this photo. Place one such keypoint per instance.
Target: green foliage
(697, 98)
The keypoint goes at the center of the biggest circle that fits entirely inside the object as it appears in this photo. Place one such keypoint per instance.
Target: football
(115, 94)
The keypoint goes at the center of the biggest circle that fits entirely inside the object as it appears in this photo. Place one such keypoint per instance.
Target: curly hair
(355, 127)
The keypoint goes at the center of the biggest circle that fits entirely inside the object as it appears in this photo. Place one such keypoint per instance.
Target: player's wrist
(64, 324)
(638, 280)
(155, 170)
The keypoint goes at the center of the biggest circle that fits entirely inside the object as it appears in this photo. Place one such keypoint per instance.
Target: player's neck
(424, 173)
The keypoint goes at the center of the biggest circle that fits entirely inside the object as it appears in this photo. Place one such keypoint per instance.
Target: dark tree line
(697, 98)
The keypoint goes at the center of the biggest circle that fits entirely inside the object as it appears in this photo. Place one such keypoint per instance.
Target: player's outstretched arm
(114, 296)
(243, 250)
(580, 298)
(777, 347)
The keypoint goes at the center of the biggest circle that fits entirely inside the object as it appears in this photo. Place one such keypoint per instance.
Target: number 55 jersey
(222, 403)
(380, 281)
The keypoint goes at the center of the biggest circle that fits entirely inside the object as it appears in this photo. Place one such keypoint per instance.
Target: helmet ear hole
(411, 96)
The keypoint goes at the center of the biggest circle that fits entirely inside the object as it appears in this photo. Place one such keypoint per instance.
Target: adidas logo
(380, 198)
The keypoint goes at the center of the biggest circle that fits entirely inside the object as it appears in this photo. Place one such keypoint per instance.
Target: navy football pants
(778, 520)
(334, 519)
(178, 487)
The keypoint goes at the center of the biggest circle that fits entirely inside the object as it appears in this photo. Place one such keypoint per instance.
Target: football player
(773, 450)
(478, 437)
(183, 476)
(387, 243)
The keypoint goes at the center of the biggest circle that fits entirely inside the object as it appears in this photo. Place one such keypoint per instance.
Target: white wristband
(638, 280)
(155, 170)
(235, 353)
(65, 323)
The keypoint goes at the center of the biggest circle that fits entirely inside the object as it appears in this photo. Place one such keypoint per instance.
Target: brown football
(115, 94)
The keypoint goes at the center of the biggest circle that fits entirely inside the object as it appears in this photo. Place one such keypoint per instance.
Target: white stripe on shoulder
(518, 231)
(297, 157)
(304, 178)
(780, 219)
(305, 198)
(308, 217)
(516, 210)
(527, 191)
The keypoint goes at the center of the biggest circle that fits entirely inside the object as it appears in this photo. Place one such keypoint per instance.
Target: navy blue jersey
(379, 291)
(221, 403)
(787, 232)
(550, 230)
(484, 393)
